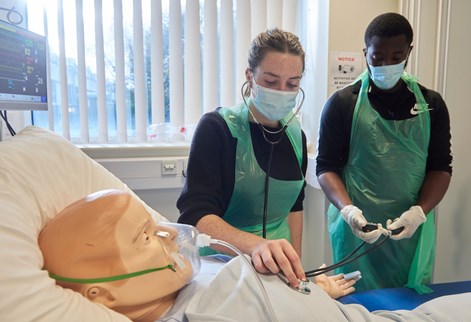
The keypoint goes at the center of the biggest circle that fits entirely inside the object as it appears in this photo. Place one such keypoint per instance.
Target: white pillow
(40, 174)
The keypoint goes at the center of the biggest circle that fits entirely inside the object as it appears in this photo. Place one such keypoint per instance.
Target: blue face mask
(273, 104)
(386, 77)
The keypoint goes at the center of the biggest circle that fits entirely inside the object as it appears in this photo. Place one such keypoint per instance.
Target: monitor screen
(23, 81)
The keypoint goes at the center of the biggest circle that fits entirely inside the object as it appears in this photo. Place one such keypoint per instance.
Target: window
(119, 66)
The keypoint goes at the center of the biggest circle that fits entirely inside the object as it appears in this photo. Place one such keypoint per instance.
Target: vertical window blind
(118, 66)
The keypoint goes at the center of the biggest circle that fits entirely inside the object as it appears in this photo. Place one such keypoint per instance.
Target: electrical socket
(169, 167)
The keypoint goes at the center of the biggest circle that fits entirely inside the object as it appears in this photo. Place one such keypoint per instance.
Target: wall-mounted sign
(344, 68)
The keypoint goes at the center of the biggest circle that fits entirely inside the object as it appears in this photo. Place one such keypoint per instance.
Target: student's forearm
(295, 223)
(433, 189)
(334, 189)
(217, 228)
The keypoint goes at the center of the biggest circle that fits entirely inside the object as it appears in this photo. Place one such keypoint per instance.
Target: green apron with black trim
(245, 209)
(383, 176)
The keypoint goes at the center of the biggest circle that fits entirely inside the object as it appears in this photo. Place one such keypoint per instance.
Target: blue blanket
(402, 297)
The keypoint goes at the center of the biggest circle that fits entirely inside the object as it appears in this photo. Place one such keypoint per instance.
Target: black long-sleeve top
(211, 167)
(336, 124)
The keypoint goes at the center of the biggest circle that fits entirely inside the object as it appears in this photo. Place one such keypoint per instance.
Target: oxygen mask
(179, 242)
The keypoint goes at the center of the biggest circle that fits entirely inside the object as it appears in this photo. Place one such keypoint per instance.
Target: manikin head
(110, 233)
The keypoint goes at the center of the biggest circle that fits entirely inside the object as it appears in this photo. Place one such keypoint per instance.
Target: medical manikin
(110, 234)
(108, 248)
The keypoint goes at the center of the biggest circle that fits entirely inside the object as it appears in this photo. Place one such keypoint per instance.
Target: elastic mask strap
(286, 124)
(298, 109)
(111, 278)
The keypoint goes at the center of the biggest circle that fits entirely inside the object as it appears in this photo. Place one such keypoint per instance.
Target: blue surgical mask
(386, 77)
(273, 104)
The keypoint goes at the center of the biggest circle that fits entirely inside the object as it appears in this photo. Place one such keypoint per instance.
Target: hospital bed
(40, 174)
(403, 298)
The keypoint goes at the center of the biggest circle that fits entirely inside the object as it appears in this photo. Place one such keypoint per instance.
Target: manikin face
(109, 234)
(387, 51)
(141, 248)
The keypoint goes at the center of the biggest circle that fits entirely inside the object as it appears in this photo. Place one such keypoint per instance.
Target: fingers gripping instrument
(369, 227)
(353, 216)
(410, 219)
(303, 286)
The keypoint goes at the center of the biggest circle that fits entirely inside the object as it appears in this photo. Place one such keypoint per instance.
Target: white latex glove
(355, 219)
(410, 220)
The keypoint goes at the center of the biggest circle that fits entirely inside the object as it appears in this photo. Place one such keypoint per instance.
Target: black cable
(265, 200)
(267, 176)
(4, 116)
(10, 12)
(345, 261)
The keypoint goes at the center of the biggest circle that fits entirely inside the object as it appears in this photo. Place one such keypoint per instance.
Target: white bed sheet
(230, 293)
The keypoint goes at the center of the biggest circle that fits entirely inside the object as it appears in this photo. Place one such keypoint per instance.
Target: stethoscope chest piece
(303, 287)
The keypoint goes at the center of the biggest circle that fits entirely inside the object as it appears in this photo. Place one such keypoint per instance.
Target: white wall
(440, 60)
(454, 219)
(162, 200)
(349, 19)
(144, 168)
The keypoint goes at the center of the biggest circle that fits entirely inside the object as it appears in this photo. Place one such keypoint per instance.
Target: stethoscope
(303, 285)
(272, 145)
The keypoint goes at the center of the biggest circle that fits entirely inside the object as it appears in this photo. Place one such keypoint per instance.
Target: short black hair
(388, 25)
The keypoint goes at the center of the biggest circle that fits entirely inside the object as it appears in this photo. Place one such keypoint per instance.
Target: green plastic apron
(245, 210)
(383, 176)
